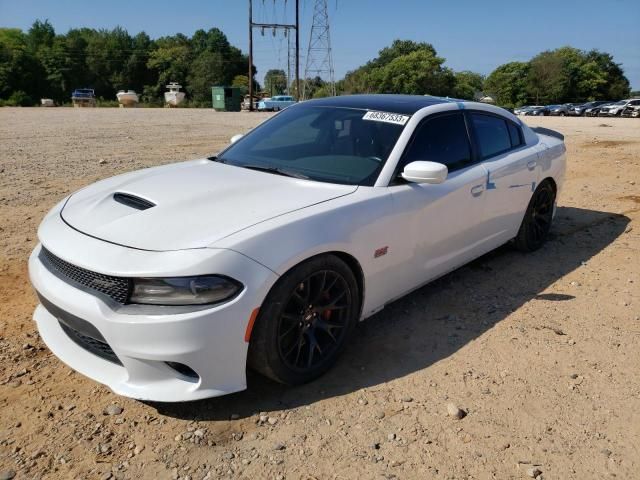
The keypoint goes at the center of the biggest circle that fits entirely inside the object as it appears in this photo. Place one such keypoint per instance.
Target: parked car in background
(526, 109)
(83, 97)
(522, 109)
(615, 109)
(275, 104)
(593, 111)
(560, 110)
(573, 111)
(631, 111)
(246, 104)
(539, 111)
(580, 110)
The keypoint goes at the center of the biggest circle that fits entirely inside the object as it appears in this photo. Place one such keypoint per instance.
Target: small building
(226, 99)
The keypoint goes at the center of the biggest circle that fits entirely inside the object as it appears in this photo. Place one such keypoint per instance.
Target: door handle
(477, 190)
(531, 164)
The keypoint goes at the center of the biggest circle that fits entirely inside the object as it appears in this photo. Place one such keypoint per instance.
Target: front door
(440, 227)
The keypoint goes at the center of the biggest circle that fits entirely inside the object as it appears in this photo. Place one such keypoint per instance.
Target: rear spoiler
(548, 132)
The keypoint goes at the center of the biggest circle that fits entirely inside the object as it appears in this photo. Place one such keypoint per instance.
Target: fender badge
(380, 252)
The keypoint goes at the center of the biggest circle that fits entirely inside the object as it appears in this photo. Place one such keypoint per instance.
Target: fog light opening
(185, 371)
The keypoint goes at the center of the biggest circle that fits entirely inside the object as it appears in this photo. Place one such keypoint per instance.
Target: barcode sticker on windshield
(386, 117)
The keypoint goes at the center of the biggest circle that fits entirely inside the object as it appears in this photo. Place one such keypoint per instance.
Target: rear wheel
(537, 219)
(305, 321)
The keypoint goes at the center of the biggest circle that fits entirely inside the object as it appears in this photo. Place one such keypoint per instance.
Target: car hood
(188, 205)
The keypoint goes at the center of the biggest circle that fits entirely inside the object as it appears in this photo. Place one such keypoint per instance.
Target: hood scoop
(188, 205)
(132, 201)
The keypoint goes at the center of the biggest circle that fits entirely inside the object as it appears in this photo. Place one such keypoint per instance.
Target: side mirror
(236, 137)
(425, 172)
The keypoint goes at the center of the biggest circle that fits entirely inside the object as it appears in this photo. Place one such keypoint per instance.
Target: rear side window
(492, 134)
(442, 139)
(514, 133)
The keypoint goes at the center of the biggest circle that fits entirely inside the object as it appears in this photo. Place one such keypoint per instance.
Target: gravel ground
(511, 366)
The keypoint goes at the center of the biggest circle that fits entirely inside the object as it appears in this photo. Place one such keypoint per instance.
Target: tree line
(557, 76)
(42, 64)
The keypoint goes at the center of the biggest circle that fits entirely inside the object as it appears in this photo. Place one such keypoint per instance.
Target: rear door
(512, 173)
(440, 227)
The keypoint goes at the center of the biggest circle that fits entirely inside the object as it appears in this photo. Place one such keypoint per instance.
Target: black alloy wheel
(314, 320)
(537, 219)
(305, 321)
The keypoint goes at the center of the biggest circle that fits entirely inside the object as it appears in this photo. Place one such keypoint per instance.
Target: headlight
(201, 290)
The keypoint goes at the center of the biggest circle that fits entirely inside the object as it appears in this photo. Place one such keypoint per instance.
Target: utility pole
(287, 27)
(288, 65)
(298, 96)
(319, 57)
(251, 55)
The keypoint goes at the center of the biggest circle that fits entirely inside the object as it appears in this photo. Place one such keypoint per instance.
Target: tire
(537, 219)
(305, 321)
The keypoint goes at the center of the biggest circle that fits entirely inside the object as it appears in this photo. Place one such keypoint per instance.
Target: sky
(470, 34)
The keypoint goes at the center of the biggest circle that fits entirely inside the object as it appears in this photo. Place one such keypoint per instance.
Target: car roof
(404, 104)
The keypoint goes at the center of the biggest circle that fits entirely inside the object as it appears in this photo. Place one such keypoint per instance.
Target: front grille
(101, 349)
(117, 288)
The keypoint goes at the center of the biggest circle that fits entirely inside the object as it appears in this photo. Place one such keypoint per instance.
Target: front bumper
(144, 339)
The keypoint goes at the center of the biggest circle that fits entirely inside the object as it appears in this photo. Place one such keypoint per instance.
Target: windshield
(621, 102)
(327, 144)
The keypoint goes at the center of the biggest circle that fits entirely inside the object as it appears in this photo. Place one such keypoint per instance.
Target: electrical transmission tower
(319, 58)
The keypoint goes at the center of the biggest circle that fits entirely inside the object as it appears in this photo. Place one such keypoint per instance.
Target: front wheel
(305, 321)
(537, 219)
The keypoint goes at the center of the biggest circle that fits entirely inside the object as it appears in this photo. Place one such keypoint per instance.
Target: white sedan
(165, 283)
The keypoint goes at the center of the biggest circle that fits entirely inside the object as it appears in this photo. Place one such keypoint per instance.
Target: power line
(287, 27)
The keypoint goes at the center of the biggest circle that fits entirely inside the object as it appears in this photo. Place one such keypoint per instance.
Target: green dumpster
(226, 99)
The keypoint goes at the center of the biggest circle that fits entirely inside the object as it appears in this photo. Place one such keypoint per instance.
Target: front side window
(327, 144)
(442, 139)
(492, 134)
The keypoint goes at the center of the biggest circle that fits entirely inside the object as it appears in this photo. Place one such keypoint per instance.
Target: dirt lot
(541, 351)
